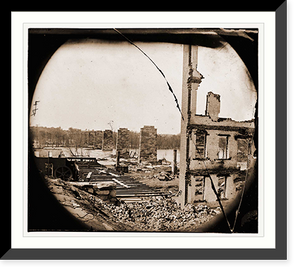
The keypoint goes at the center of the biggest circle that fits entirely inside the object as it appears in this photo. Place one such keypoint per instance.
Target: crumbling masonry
(123, 142)
(210, 146)
(148, 144)
(107, 140)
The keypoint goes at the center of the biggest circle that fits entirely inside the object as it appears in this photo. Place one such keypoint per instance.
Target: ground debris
(158, 214)
(155, 214)
(165, 176)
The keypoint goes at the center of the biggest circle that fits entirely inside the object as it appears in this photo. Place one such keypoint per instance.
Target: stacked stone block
(148, 144)
(107, 140)
(123, 142)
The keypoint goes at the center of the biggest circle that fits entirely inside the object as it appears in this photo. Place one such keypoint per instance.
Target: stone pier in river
(107, 140)
(148, 144)
(123, 142)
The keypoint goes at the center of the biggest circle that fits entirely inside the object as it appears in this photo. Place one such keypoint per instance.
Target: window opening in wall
(199, 188)
(222, 186)
(200, 145)
(223, 147)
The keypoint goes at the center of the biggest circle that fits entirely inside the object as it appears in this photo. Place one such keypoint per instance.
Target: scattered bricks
(159, 214)
(156, 213)
(107, 140)
(123, 142)
(148, 144)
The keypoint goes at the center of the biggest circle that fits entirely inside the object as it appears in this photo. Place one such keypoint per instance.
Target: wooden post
(118, 158)
(174, 169)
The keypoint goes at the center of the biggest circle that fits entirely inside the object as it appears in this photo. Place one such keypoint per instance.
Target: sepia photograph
(143, 130)
(148, 136)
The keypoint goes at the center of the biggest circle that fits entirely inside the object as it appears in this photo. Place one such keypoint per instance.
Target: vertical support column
(190, 83)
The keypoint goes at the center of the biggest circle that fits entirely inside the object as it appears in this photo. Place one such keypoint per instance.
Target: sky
(94, 84)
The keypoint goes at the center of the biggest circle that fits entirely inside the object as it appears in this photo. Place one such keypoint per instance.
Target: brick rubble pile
(158, 214)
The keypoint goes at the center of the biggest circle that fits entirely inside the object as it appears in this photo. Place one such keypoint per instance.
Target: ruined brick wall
(123, 142)
(212, 106)
(148, 144)
(222, 150)
(107, 140)
(235, 152)
(201, 190)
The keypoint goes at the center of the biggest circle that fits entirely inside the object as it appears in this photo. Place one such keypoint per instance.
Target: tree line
(72, 137)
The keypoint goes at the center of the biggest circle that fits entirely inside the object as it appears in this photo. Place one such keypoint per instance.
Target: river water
(99, 154)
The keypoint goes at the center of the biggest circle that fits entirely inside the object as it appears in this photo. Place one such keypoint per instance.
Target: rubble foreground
(160, 213)
(155, 213)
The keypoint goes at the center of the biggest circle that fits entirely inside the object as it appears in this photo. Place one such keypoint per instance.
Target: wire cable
(169, 86)
(215, 191)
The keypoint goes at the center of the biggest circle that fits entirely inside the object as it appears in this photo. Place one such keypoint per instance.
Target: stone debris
(165, 176)
(105, 190)
(158, 213)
